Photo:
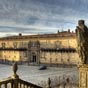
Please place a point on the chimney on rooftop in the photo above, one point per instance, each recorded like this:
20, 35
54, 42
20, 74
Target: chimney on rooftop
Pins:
20, 34
58, 31
68, 30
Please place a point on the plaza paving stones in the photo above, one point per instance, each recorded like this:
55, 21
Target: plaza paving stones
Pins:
32, 74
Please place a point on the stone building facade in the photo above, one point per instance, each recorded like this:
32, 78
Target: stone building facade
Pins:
59, 48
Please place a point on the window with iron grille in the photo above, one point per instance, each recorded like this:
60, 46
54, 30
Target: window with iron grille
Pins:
15, 45
3, 45
25, 54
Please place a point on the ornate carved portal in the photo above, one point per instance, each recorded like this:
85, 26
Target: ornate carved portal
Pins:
34, 52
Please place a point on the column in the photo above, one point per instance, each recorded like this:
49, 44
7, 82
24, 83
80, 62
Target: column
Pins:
83, 76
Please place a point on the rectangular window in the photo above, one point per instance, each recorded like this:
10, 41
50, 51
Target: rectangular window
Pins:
25, 54
15, 45
20, 57
25, 44
21, 44
3, 45
58, 44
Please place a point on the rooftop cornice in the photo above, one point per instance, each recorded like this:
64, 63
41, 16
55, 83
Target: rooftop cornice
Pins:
61, 34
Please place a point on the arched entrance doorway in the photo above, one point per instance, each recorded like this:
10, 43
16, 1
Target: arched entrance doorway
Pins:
33, 57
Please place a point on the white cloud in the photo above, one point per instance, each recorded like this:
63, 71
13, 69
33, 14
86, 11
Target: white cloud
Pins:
48, 16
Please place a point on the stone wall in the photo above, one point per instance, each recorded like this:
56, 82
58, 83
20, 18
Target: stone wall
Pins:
8, 49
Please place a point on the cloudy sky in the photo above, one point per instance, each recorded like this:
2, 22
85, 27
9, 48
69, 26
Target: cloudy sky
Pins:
40, 16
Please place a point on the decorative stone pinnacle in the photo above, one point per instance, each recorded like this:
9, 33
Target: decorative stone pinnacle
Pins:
49, 83
14, 68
